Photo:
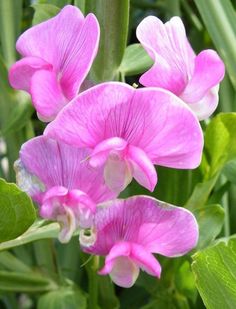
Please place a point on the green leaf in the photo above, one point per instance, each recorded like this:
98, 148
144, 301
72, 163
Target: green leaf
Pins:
184, 281
113, 19
201, 193
136, 60
44, 12
24, 282
229, 171
219, 18
220, 140
35, 232
62, 299
210, 220
19, 117
215, 274
17, 212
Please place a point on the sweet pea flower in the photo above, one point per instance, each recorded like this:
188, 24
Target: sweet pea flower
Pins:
195, 79
60, 180
129, 131
58, 54
129, 231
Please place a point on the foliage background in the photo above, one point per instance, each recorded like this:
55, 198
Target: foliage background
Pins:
36, 271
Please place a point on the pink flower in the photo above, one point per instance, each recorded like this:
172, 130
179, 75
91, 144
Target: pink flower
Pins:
129, 231
58, 55
193, 78
59, 178
129, 131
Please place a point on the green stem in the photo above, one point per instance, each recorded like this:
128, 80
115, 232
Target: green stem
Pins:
93, 282
227, 218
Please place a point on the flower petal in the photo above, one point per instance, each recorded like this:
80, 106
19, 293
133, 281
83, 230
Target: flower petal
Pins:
173, 231
58, 164
47, 95
68, 41
168, 46
122, 270
207, 105
152, 119
142, 168
101, 152
145, 260
156, 226
209, 71
21, 72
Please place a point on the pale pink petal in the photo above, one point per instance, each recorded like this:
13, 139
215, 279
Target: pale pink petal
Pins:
68, 41
117, 173
156, 226
47, 96
143, 169
209, 71
152, 119
122, 270
21, 72
168, 46
58, 164
207, 105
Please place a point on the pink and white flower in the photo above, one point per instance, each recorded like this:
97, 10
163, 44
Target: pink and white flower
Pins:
129, 231
129, 131
58, 177
195, 79
58, 54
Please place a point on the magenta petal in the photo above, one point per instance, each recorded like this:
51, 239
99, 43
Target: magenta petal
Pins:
47, 95
68, 41
168, 46
21, 72
102, 150
208, 72
142, 168
145, 260
152, 119
92, 114
156, 226
82, 53
58, 164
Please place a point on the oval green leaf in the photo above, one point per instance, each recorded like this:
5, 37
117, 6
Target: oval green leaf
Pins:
17, 212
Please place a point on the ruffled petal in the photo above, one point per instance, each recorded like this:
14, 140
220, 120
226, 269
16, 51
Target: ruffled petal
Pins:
172, 232
156, 226
209, 71
21, 72
68, 41
142, 168
58, 164
47, 95
89, 119
168, 46
152, 119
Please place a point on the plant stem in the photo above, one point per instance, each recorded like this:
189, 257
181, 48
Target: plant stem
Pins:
93, 282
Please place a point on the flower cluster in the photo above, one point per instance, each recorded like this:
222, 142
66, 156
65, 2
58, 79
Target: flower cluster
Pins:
100, 138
